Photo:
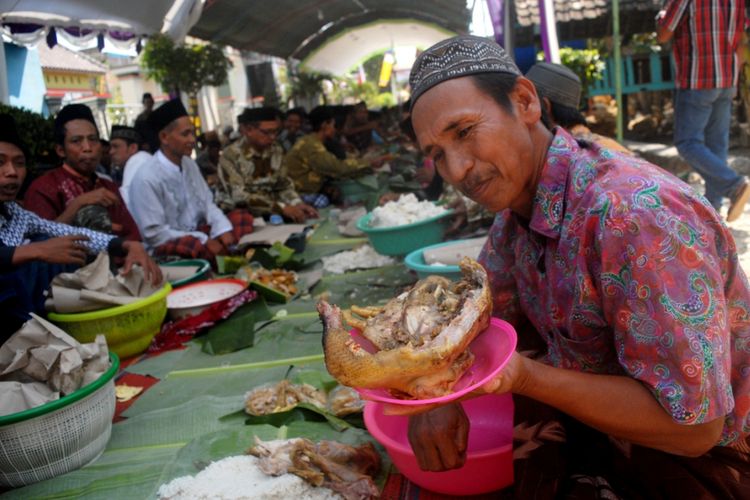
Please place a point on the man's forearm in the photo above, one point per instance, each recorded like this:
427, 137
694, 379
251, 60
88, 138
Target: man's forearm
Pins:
67, 216
616, 405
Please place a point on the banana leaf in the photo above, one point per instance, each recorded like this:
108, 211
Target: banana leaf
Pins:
279, 340
131, 473
215, 446
368, 287
222, 381
301, 412
176, 424
320, 379
238, 331
278, 255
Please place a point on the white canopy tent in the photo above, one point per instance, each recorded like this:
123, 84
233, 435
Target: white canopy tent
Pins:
136, 17
336, 55
28, 22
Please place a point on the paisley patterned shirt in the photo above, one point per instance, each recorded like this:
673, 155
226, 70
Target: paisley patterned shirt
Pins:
623, 269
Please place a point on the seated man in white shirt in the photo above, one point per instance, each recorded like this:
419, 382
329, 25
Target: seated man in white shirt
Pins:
170, 201
125, 152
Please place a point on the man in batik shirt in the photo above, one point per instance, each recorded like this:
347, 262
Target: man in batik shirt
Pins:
251, 174
625, 276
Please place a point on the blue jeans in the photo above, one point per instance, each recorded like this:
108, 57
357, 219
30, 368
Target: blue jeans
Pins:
701, 135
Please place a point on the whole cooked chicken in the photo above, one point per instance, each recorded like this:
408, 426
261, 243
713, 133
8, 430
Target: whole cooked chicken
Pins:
422, 336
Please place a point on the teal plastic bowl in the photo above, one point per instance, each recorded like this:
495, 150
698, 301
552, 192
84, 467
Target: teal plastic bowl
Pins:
415, 262
203, 272
400, 240
353, 191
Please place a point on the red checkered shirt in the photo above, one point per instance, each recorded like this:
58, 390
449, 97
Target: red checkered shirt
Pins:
706, 36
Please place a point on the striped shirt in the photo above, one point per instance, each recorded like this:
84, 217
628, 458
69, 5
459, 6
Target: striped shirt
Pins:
706, 36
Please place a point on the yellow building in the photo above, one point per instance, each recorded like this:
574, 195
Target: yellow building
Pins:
71, 76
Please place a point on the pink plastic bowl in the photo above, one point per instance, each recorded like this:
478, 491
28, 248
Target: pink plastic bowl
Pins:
489, 460
492, 350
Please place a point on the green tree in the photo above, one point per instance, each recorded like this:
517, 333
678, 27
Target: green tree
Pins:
185, 68
37, 132
306, 86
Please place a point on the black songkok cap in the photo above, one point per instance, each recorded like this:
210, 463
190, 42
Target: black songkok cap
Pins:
9, 133
457, 57
128, 134
557, 83
319, 115
255, 115
166, 114
74, 112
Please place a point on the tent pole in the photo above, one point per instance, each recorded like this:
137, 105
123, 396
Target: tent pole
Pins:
4, 94
548, 28
618, 66
508, 17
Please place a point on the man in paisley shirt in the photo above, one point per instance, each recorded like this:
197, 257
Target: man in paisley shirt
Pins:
34, 250
627, 279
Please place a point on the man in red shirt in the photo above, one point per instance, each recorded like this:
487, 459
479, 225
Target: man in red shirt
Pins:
73, 193
706, 36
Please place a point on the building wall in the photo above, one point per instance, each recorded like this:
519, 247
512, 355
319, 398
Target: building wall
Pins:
75, 82
26, 86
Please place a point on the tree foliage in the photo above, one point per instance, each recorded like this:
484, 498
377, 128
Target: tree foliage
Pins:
37, 132
184, 68
307, 84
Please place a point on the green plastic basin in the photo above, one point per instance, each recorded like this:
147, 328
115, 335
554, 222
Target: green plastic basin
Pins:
128, 329
400, 240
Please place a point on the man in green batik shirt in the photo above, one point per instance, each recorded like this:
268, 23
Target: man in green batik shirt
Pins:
251, 174
311, 165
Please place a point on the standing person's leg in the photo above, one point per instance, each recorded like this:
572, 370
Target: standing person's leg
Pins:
693, 112
717, 128
717, 140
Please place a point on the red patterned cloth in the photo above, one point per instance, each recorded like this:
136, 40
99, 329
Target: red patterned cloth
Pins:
174, 334
50, 194
191, 247
133, 380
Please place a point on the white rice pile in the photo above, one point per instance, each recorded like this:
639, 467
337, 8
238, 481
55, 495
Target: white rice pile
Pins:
406, 210
363, 257
238, 478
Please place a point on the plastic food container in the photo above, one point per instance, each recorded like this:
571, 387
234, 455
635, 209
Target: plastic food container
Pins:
128, 329
175, 271
59, 436
190, 300
416, 260
400, 240
489, 459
